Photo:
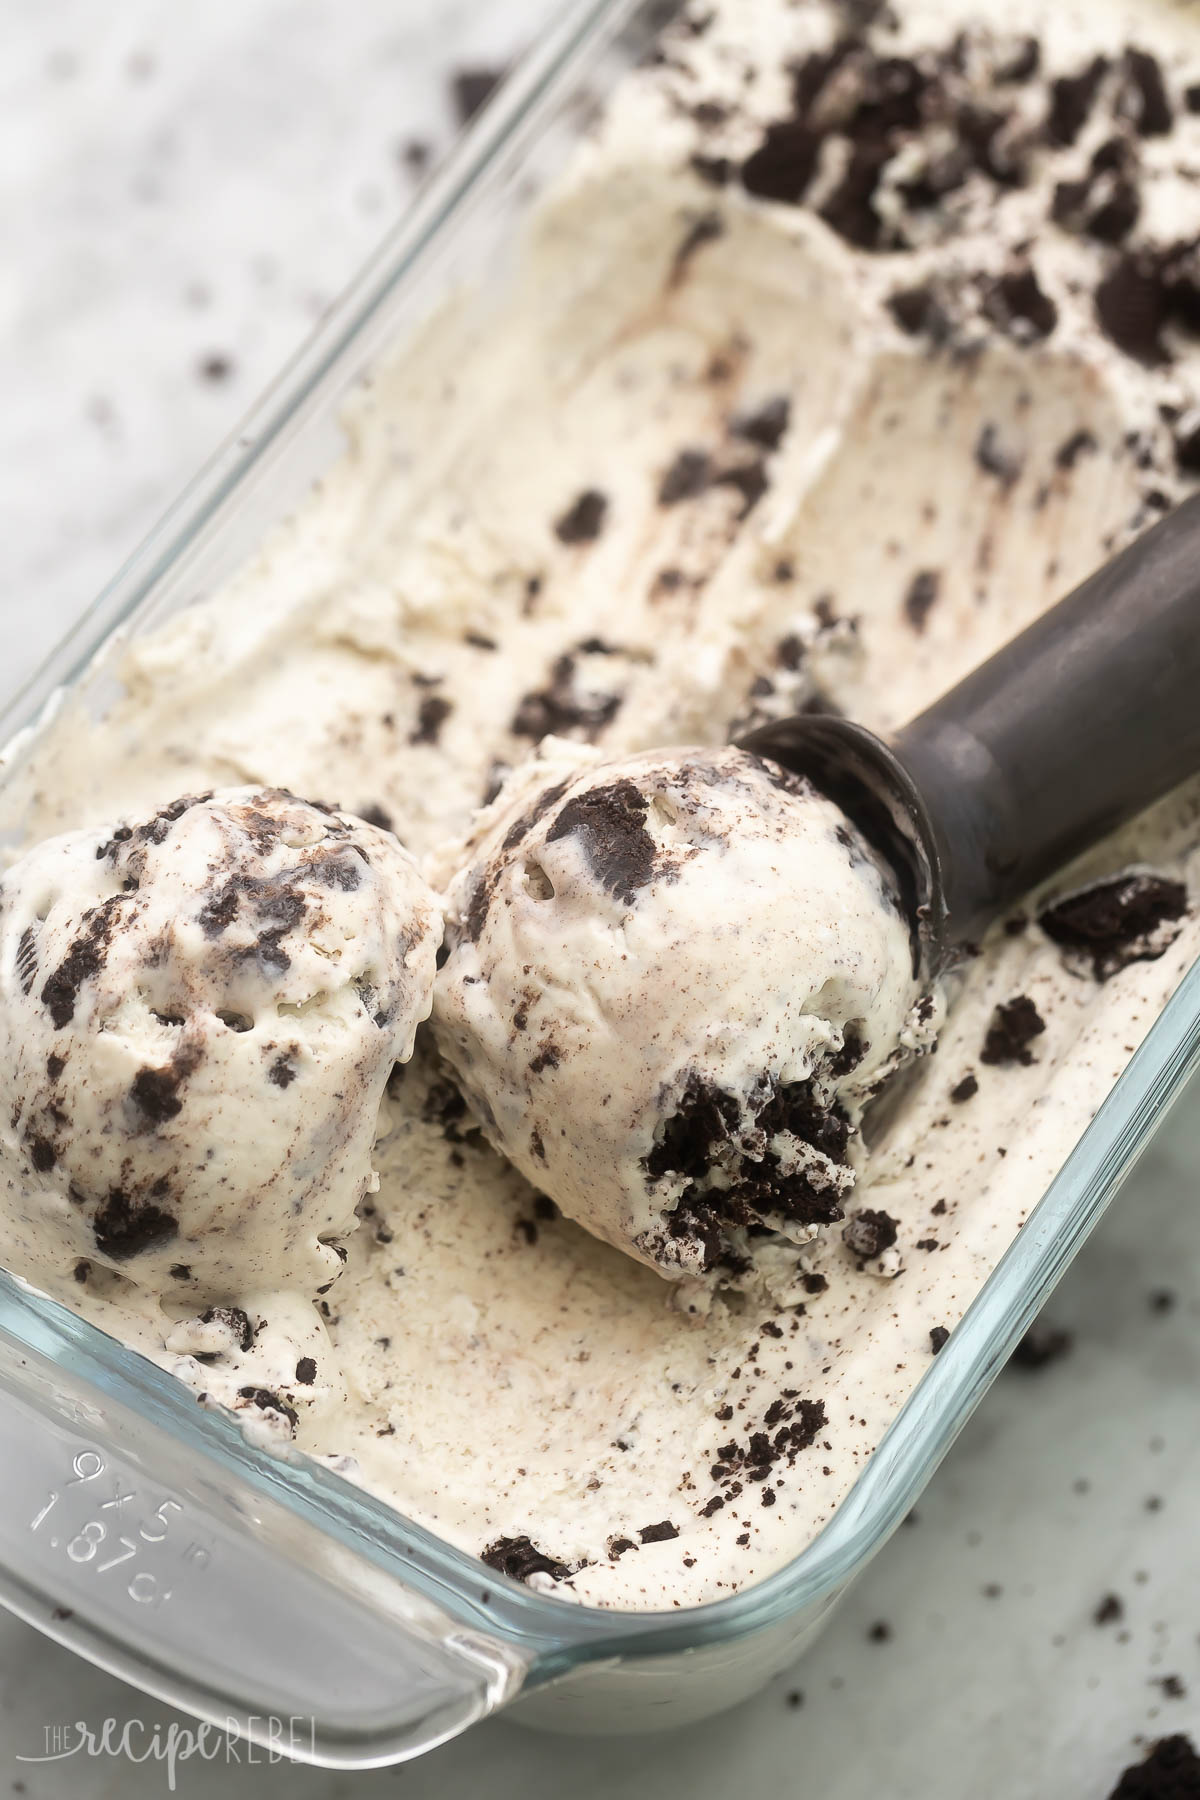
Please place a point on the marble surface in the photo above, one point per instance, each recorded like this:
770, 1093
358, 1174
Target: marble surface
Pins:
183, 189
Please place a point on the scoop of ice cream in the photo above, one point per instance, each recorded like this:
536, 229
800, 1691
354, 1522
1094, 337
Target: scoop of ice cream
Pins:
673, 981
198, 1013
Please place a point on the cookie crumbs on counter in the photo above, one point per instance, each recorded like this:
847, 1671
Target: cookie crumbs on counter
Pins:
1170, 1770
868, 1233
1041, 1345
471, 87
215, 368
415, 154
1132, 918
432, 714
267, 1401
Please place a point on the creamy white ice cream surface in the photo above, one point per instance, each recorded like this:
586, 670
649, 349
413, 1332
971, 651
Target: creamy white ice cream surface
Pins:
849, 340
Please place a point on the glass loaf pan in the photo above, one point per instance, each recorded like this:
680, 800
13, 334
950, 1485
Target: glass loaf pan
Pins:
252, 1588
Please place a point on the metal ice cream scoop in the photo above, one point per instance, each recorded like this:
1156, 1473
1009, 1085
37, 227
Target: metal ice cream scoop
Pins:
1068, 731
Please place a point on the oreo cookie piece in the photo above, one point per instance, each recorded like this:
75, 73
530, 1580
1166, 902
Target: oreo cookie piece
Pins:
1133, 918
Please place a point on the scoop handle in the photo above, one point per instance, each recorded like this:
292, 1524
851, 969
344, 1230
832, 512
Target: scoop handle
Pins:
1069, 730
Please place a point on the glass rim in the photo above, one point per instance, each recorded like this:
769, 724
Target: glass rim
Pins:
561, 1631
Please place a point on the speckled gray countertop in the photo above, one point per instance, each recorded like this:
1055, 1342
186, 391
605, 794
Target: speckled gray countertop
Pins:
183, 188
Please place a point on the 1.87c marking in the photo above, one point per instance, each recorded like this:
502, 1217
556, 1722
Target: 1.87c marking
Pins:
94, 1543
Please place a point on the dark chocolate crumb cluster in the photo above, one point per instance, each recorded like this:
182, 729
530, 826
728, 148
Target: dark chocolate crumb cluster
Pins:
85, 958
790, 1425
1132, 918
697, 471
661, 1533
1015, 1024
124, 1226
722, 1145
432, 712
577, 699
519, 1558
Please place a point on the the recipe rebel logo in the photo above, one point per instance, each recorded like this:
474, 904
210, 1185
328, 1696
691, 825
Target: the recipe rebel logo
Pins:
258, 1739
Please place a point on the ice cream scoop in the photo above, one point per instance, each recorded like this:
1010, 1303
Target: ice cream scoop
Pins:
672, 981
1074, 726
198, 1013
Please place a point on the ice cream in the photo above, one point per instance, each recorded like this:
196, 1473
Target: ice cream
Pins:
198, 1013
673, 981
848, 340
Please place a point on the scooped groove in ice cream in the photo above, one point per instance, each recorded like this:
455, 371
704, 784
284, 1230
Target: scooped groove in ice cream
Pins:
673, 981
198, 1013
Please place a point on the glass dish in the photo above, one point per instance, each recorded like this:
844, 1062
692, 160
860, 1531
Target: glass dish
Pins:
267, 1594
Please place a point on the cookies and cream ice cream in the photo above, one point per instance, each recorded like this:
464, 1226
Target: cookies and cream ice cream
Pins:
850, 338
672, 982
198, 1013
